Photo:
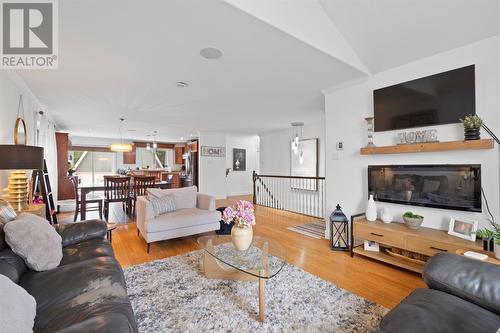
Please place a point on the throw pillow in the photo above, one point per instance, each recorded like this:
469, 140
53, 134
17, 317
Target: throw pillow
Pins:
7, 213
35, 240
17, 308
162, 204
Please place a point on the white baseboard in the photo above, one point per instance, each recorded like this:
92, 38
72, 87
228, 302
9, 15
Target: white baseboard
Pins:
233, 194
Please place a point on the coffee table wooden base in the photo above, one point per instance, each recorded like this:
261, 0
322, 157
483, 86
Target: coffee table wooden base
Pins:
214, 270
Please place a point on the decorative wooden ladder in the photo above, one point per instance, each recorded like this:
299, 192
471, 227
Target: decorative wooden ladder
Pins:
41, 185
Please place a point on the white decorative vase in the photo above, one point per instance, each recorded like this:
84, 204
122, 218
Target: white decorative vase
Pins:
497, 251
241, 237
371, 209
386, 215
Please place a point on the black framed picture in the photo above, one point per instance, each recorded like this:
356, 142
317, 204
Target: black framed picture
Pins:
239, 159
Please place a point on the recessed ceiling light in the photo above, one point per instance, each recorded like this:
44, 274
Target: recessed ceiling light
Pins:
211, 53
181, 84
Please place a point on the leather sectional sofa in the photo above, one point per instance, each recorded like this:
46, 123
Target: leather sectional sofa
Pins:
85, 293
463, 296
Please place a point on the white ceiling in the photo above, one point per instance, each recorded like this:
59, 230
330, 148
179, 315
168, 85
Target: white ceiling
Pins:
390, 33
122, 58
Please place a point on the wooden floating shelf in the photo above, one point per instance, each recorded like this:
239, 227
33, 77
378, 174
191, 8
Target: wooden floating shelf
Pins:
429, 147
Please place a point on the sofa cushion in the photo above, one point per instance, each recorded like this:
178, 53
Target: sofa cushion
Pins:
429, 310
12, 265
470, 279
162, 205
184, 197
17, 308
2, 237
75, 283
35, 240
92, 248
87, 290
7, 213
182, 218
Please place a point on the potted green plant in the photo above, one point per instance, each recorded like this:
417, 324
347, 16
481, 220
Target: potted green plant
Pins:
494, 234
472, 127
412, 220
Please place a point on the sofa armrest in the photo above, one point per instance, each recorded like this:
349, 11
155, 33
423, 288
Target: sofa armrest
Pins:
74, 233
144, 212
205, 201
472, 280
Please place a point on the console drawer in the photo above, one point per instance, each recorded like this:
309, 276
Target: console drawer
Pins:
379, 235
429, 247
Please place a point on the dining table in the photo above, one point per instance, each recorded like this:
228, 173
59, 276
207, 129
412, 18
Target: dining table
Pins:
86, 189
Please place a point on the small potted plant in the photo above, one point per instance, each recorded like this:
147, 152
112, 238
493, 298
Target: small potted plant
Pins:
489, 234
242, 214
412, 220
472, 126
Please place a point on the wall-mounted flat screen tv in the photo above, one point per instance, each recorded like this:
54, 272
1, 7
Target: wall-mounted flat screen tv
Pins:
438, 99
448, 186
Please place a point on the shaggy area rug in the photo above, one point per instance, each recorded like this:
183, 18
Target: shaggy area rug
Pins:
173, 295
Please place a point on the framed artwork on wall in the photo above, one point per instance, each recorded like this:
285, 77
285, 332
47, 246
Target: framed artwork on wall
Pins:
239, 159
305, 164
463, 228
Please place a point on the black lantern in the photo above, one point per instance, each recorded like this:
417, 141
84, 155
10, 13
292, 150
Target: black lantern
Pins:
339, 230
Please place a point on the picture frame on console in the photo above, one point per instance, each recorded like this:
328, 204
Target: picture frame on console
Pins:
463, 228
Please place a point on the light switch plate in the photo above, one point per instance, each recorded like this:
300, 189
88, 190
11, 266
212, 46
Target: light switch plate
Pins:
340, 145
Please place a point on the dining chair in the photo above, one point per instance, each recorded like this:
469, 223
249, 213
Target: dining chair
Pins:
117, 189
90, 201
141, 184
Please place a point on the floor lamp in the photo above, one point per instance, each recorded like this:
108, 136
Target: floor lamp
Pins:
19, 159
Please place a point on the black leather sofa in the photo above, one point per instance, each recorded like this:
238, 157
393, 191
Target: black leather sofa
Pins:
86, 293
463, 296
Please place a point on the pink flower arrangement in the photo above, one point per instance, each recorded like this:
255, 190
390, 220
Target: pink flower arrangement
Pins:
241, 213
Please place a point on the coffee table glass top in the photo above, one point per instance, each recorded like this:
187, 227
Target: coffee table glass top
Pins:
264, 258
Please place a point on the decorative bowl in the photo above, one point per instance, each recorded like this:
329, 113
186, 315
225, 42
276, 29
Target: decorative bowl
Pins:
413, 222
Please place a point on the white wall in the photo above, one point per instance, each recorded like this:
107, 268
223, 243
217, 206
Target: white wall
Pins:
240, 182
212, 170
347, 107
275, 149
10, 89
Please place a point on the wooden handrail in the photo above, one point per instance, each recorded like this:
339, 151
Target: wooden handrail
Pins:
292, 177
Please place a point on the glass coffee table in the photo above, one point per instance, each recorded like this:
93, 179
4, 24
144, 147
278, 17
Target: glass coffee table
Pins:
264, 259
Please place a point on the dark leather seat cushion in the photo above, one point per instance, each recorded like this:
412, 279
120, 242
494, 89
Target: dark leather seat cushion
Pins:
428, 310
11, 265
93, 248
80, 291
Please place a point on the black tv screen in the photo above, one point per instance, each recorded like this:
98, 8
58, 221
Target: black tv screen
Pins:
448, 186
438, 99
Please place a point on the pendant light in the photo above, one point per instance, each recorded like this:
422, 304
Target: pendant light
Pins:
296, 139
121, 147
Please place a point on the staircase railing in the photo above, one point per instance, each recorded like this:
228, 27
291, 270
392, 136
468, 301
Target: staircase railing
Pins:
303, 195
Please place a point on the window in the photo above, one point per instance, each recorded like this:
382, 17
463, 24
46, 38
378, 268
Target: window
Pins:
165, 157
91, 166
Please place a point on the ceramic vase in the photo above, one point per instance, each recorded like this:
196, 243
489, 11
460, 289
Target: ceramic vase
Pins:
371, 209
497, 251
386, 215
241, 237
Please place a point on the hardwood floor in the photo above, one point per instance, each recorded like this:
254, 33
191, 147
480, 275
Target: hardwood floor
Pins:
381, 283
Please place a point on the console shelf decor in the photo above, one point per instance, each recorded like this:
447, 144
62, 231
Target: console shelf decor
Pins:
424, 241
429, 147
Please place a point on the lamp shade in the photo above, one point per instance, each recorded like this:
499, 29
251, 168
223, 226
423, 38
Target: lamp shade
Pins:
21, 157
